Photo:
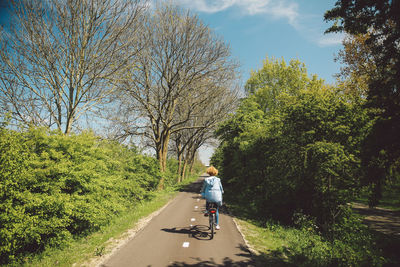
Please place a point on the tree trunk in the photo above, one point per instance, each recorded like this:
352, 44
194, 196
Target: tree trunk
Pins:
191, 167
191, 161
162, 150
183, 174
68, 126
159, 158
165, 152
179, 167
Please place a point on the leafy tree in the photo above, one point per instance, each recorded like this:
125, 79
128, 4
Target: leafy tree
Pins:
358, 66
302, 155
380, 22
276, 77
322, 132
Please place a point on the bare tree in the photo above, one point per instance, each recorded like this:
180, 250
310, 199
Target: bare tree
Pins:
58, 58
182, 68
189, 143
186, 142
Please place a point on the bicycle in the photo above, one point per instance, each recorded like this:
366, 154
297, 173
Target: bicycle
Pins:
212, 210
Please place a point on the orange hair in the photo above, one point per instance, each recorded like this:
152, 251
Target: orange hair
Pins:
212, 171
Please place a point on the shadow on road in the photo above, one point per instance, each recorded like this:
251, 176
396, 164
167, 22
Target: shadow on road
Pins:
208, 263
201, 262
200, 232
385, 226
194, 187
378, 219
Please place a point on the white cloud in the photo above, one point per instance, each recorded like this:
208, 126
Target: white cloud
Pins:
209, 6
276, 9
331, 39
308, 25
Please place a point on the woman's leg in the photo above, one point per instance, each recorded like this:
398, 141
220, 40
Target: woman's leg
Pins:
217, 216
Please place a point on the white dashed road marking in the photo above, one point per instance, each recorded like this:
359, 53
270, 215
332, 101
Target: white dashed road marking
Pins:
185, 244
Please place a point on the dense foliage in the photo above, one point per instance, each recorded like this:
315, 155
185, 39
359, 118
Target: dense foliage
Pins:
294, 148
301, 153
280, 245
379, 22
54, 187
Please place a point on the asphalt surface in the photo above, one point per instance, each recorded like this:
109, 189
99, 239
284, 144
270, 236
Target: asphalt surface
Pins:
379, 219
179, 236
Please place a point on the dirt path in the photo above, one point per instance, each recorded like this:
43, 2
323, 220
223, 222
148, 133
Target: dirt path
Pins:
380, 219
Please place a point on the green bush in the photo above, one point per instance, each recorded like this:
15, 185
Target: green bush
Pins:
54, 187
170, 174
352, 242
14, 222
304, 246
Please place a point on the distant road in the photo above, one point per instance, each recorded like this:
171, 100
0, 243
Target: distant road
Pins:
380, 219
179, 236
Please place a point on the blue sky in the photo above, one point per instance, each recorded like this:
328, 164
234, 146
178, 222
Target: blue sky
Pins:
256, 29
3, 10
290, 29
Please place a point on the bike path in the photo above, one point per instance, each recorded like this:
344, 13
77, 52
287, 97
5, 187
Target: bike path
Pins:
179, 236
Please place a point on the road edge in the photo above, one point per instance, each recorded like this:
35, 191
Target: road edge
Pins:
113, 245
251, 249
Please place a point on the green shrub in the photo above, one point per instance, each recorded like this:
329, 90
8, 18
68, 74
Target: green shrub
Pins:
171, 176
54, 187
304, 246
352, 242
14, 222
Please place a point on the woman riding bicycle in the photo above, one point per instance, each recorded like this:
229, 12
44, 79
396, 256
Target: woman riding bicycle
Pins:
212, 191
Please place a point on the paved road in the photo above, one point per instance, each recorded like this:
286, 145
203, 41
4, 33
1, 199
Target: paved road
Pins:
179, 236
380, 219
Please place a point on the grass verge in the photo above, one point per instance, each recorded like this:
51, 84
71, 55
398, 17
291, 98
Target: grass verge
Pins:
262, 243
80, 252
278, 245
